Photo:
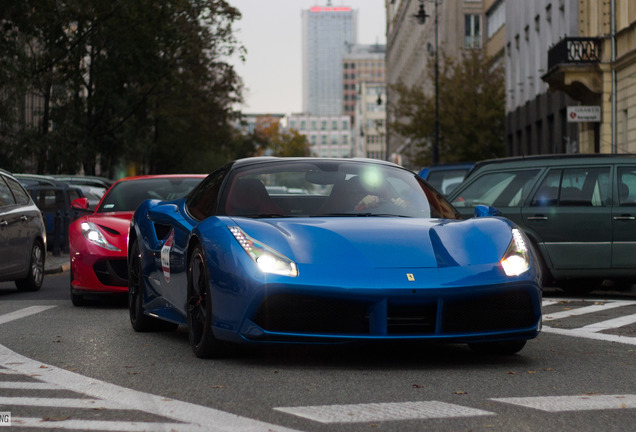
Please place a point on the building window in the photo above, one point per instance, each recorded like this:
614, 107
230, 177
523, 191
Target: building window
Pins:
303, 125
334, 125
313, 125
323, 125
472, 31
495, 18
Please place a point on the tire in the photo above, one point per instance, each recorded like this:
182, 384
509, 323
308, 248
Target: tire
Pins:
35, 277
76, 299
138, 319
199, 308
498, 348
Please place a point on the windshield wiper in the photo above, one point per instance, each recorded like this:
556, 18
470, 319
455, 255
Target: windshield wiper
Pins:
366, 214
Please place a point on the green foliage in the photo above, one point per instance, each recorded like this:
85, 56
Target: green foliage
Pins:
471, 110
135, 82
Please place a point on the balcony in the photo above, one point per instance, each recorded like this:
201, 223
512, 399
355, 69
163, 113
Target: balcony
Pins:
573, 67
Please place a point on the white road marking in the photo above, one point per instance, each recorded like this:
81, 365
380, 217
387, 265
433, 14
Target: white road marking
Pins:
573, 403
27, 385
590, 335
373, 412
601, 306
611, 323
592, 331
61, 402
207, 419
31, 310
101, 425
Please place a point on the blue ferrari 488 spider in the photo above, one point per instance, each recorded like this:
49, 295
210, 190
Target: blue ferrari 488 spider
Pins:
313, 250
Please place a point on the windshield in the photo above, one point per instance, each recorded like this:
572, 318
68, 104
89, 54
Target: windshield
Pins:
128, 194
331, 188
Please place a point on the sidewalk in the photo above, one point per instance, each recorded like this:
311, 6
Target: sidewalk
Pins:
57, 264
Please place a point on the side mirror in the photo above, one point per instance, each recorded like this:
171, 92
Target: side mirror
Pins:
484, 211
80, 203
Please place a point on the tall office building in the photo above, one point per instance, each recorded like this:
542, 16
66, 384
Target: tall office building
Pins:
327, 33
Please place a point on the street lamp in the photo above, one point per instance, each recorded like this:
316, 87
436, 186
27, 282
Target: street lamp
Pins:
421, 18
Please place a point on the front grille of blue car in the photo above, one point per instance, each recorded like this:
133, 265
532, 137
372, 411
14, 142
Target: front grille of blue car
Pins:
292, 313
113, 272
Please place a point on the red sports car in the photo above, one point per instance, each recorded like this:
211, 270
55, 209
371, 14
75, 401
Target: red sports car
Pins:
98, 241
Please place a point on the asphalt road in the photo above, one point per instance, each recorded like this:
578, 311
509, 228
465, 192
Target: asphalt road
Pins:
69, 368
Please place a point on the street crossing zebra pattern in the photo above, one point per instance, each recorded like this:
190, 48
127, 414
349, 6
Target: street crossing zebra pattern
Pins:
37, 395
588, 318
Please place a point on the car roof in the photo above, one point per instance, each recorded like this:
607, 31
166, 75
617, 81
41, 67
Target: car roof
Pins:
551, 160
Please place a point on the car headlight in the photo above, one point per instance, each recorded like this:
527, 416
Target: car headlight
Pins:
266, 258
516, 260
92, 233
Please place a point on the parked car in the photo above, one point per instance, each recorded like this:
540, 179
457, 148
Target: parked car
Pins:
53, 197
446, 177
368, 252
22, 236
94, 187
98, 239
578, 210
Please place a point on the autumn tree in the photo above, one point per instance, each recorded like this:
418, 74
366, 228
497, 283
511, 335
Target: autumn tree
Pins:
471, 110
272, 140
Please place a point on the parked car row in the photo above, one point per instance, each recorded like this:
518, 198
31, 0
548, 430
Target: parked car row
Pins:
579, 211
22, 236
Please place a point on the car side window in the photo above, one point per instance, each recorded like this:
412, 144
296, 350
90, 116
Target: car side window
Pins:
627, 186
500, 189
6, 197
21, 196
574, 187
203, 200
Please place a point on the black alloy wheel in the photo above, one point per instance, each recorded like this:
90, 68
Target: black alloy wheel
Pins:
138, 319
199, 308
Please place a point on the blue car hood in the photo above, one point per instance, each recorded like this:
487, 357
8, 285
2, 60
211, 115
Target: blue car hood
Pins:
383, 242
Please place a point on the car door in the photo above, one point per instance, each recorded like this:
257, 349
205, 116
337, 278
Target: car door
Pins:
624, 219
6, 202
15, 222
570, 215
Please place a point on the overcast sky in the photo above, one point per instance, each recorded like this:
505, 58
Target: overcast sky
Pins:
271, 31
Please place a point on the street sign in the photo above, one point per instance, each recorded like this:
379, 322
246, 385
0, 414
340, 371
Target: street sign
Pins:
581, 113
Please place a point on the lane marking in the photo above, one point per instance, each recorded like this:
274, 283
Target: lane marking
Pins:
611, 323
31, 310
21, 385
209, 419
573, 403
103, 425
374, 412
590, 335
61, 403
610, 304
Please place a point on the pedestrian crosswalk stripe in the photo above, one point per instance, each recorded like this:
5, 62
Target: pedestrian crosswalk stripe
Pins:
590, 335
61, 402
103, 425
573, 403
372, 412
31, 310
22, 385
601, 306
611, 323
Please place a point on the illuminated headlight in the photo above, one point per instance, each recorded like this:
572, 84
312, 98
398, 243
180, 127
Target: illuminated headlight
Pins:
516, 260
266, 258
95, 236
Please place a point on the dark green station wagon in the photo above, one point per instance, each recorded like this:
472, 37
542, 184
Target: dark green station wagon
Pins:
578, 210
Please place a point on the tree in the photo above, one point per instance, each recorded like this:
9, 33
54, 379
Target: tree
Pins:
471, 110
280, 143
136, 81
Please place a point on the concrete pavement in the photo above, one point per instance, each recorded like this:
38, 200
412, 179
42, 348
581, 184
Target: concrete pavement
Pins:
57, 264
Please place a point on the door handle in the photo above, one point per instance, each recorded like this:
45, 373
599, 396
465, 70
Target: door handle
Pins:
538, 217
624, 217
23, 218
3, 223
